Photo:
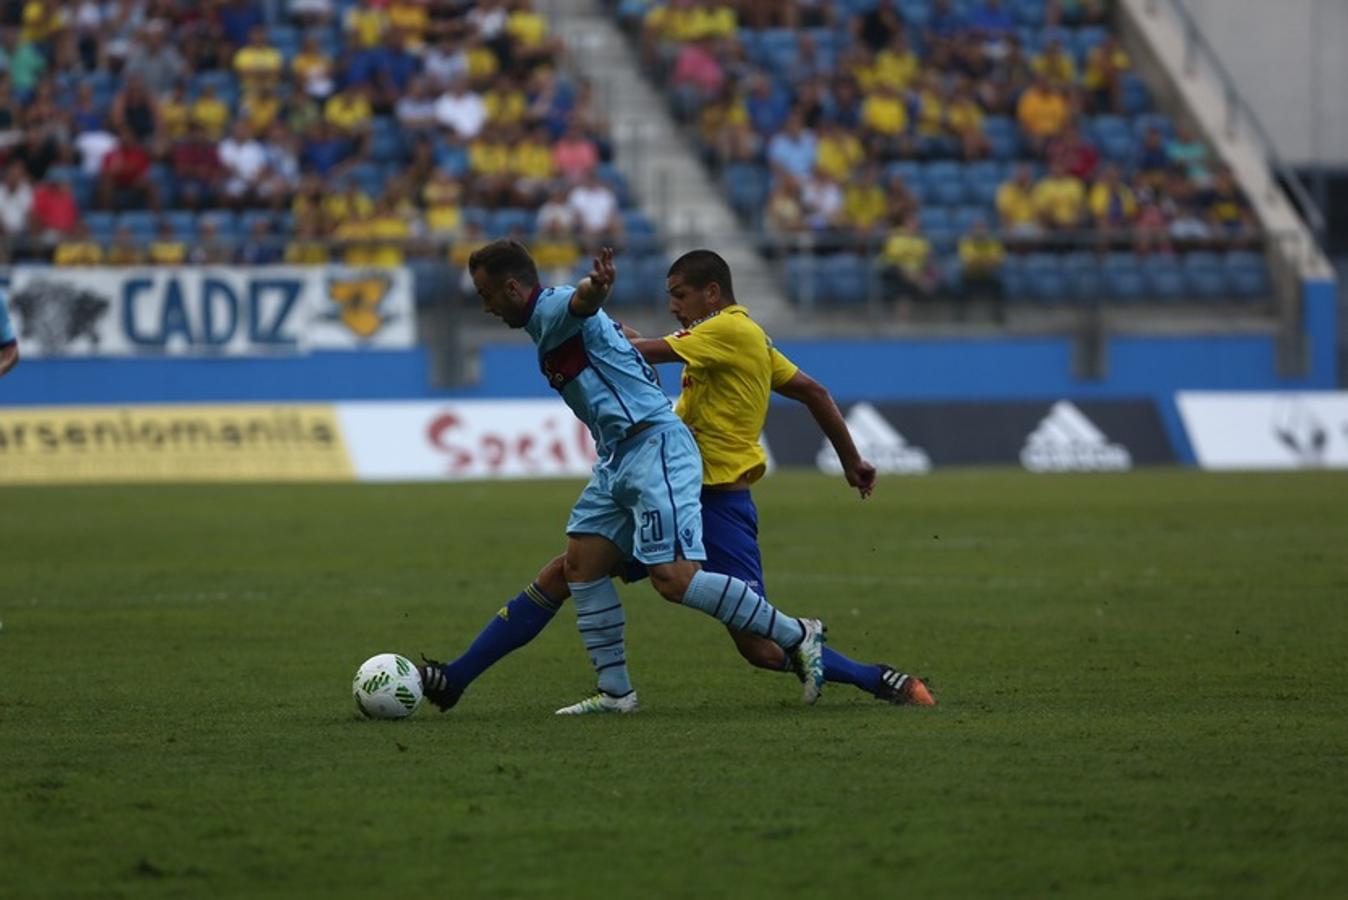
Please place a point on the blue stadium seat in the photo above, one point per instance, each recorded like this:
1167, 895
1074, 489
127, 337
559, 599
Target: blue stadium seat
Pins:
915, 12
183, 223
1203, 275
1247, 274
746, 186
1163, 278
369, 176
1144, 123
909, 171
1001, 132
386, 141
249, 218
226, 223
1014, 279
453, 159
981, 181
141, 223
505, 221
1088, 38
1136, 97
845, 279
945, 182
1123, 279
1029, 12
938, 217
1045, 280
640, 233
944, 239
614, 178
100, 225
803, 282
965, 217
1085, 283
627, 291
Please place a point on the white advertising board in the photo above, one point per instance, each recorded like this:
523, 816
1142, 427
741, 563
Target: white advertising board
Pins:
1267, 430
210, 311
454, 441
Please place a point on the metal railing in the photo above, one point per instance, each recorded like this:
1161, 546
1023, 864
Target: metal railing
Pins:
1238, 113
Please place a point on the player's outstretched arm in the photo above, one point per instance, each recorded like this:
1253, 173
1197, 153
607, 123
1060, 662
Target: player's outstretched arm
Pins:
593, 288
802, 388
9, 358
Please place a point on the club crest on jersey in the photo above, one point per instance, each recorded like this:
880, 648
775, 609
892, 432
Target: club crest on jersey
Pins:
358, 300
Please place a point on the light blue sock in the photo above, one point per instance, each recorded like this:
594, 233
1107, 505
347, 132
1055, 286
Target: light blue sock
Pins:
741, 607
599, 616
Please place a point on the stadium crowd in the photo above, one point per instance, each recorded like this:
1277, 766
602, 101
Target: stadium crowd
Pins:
947, 138
172, 131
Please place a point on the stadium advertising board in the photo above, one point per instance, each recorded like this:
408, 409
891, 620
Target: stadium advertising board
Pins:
208, 311
913, 438
1267, 430
171, 443
465, 440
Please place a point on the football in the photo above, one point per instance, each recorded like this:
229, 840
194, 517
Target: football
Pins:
387, 686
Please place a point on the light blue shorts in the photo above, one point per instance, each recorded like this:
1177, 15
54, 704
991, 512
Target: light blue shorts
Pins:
647, 499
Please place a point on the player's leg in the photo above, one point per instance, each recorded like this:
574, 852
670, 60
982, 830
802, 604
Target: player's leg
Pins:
665, 478
730, 534
517, 623
599, 617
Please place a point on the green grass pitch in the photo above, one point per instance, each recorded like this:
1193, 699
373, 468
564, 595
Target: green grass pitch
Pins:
1141, 681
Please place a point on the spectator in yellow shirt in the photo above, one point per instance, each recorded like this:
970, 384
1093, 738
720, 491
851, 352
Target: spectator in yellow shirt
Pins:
964, 122
906, 268
257, 63
78, 250
838, 151
981, 257
366, 23
528, 33
259, 109
124, 250
556, 253
1112, 203
211, 113
534, 168
312, 69
885, 119
346, 205
307, 247
349, 110
1103, 79
442, 196
167, 249
505, 102
352, 238
175, 113
931, 107
390, 233
492, 183
865, 206
1060, 199
1016, 207
413, 19
1055, 65
897, 64
1043, 113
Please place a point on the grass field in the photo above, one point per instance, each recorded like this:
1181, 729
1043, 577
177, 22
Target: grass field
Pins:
1141, 681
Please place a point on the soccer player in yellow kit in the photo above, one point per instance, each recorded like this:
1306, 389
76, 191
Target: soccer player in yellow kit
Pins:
730, 371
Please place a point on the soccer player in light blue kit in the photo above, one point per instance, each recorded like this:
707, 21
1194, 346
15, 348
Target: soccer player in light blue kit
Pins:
9, 343
643, 501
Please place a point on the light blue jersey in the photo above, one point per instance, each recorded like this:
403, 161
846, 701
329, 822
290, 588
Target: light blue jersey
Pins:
6, 329
598, 372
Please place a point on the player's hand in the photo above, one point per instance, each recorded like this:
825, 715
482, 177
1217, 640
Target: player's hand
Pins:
861, 475
603, 272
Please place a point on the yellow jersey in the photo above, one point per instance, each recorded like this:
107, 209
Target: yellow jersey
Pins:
730, 370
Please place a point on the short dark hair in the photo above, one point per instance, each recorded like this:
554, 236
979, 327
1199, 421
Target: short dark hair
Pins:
699, 268
505, 258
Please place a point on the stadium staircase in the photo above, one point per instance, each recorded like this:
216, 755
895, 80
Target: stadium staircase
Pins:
659, 162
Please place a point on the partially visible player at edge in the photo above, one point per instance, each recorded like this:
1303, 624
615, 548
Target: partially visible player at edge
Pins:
9, 343
730, 365
643, 499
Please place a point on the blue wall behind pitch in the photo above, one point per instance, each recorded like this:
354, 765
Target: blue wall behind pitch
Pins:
1037, 368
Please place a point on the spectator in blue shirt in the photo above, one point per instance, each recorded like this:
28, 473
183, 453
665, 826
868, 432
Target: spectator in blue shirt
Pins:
767, 106
793, 149
992, 18
324, 149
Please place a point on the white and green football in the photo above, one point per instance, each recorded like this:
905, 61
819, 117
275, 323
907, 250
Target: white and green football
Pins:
387, 686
